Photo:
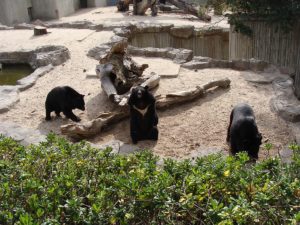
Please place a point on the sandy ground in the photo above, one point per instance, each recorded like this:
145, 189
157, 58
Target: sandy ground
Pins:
184, 128
110, 16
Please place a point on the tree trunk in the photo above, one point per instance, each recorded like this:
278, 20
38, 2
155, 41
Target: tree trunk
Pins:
39, 30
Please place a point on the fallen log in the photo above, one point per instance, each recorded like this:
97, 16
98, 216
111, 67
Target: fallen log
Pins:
166, 101
95, 126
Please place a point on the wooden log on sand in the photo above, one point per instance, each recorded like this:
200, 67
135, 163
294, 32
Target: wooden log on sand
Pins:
105, 119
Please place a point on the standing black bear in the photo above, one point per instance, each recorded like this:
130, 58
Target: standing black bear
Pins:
143, 116
64, 99
242, 132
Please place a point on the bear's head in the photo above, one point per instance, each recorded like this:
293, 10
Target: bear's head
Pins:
78, 102
140, 97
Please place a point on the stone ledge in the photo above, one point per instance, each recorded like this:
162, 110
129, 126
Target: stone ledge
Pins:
178, 56
42, 56
285, 103
41, 59
25, 136
9, 96
30, 80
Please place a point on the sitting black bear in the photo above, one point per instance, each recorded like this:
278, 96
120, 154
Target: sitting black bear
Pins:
64, 99
242, 132
143, 116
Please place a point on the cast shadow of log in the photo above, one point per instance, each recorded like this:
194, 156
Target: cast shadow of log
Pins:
98, 103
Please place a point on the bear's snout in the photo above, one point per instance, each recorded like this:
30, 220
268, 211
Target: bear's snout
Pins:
139, 94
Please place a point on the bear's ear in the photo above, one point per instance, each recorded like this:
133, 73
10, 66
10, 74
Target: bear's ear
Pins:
132, 89
82, 96
147, 87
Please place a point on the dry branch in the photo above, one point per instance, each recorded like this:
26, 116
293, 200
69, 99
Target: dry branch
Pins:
108, 118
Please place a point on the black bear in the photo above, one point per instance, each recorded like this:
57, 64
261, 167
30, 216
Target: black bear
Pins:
64, 99
143, 116
242, 131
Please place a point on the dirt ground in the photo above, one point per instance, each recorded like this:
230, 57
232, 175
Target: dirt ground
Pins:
183, 128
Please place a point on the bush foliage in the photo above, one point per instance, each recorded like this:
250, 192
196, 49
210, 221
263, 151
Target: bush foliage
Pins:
57, 182
284, 13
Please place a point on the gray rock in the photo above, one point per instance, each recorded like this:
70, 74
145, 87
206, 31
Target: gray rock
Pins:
9, 96
126, 149
24, 26
119, 147
192, 65
25, 136
42, 59
182, 56
114, 144
4, 27
30, 80
285, 102
240, 64
257, 65
40, 23
55, 55
99, 51
185, 31
296, 132
286, 155
202, 59
151, 28
177, 55
148, 52
262, 78
122, 32
218, 63
287, 70
211, 31
41, 56
74, 24
97, 27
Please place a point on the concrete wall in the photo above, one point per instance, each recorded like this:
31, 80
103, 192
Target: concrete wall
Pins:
65, 7
45, 9
97, 3
14, 11
76, 4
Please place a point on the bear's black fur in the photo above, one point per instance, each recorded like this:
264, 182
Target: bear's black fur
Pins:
143, 116
242, 132
64, 99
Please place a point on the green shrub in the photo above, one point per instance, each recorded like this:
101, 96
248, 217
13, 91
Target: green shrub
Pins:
56, 182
